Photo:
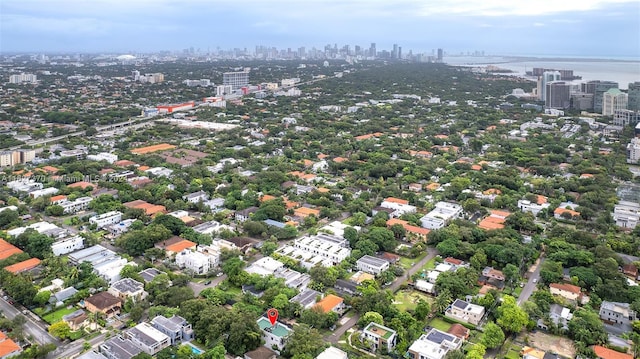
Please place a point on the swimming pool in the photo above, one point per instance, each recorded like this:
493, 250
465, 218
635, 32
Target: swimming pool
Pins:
194, 349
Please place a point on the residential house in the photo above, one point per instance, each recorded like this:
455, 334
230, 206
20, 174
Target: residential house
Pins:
175, 245
127, 288
176, 328
274, 336
24, 266
606, 353
630, 271
465, 312
306, 298
532, 353
459, 331
103, 302
92, 354
399, 206
119, 347
76, 320
433, 345
425, 286
568, 291
245, 214
626, 214
8, 348
106, 219
531, 207
566, 210
372, 265
331, 303
558, 315
67, 245
441, 215
379, 337
149, 273
261, 353
147, 338
489, 272
200, 196
332, 353
617, 313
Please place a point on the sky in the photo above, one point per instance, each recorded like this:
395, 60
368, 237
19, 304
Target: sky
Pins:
590, 28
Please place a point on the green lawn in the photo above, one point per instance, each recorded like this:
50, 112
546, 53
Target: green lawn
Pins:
76, 335
439, 324
67, 221
407, 263
431, 264
408, 300
56, 316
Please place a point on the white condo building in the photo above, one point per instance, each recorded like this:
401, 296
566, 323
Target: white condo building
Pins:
633, 150
441, 215
236, 79
613, 100
106, 219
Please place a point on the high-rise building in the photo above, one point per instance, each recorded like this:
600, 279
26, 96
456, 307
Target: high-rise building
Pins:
626, 117
440, 55
236, 80
547, 76
394, 54
557, 95
399, 52
633, 150
136, 75
613, 100
634, 96
582, 101
18, 79
600, 88
372, 50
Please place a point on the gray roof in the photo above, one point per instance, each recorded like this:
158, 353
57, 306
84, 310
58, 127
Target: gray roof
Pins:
306, 297
460, 304
120, 348
65, 294
92, 355
127, 285
174, 324
373, 261
149, 273
437, 336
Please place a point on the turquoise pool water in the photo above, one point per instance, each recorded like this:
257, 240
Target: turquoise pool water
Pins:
194, 349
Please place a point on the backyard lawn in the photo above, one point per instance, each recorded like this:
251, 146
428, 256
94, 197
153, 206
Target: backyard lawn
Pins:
56, 316
408, 299
439, 324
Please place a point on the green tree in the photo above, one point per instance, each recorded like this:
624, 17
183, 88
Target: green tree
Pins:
586, 327
304, 341
369, 317
422, 309
477, 351
492, 336
511, 317
60, 329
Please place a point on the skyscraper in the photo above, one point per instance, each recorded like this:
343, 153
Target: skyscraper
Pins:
399, 52
440, 55
634, 96
372, 50
394, 54
557, 95
599, 88
547, 77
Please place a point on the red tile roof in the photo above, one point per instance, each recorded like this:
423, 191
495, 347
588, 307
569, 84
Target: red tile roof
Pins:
605, 353
23, 266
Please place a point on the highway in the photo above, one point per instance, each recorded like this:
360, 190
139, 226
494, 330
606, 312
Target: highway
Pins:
335, 336
37, 330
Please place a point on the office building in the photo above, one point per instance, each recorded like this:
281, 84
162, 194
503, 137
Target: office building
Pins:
547, 77
613, 100
634, 96
599, 89
557, 95
372, 50
582, 101
23, 78
236, 80
440, 55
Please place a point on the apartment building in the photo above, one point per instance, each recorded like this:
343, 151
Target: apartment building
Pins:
149, 339
106, 219
441, 215
372, 265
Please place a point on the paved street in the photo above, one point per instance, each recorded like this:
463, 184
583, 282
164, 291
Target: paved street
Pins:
74, 348
199, 287
35, 329
335, 336
530, 287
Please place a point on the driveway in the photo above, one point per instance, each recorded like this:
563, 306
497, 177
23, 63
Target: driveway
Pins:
199, 287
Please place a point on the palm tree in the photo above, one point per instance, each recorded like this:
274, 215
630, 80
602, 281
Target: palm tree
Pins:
443, 300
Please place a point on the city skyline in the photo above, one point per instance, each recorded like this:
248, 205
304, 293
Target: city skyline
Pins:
569, 28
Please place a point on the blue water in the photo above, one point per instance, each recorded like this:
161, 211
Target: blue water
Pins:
195, 350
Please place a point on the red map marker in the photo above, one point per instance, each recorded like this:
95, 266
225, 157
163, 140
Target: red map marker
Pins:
272, 314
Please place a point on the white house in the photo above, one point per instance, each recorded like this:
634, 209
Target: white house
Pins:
441, 215
465, 312
424, 286
67, 245
372, 265
399, 206
196, 262
148, 338
379, 336
433, 345
80, 204
106, 219
274, 336
534, 208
